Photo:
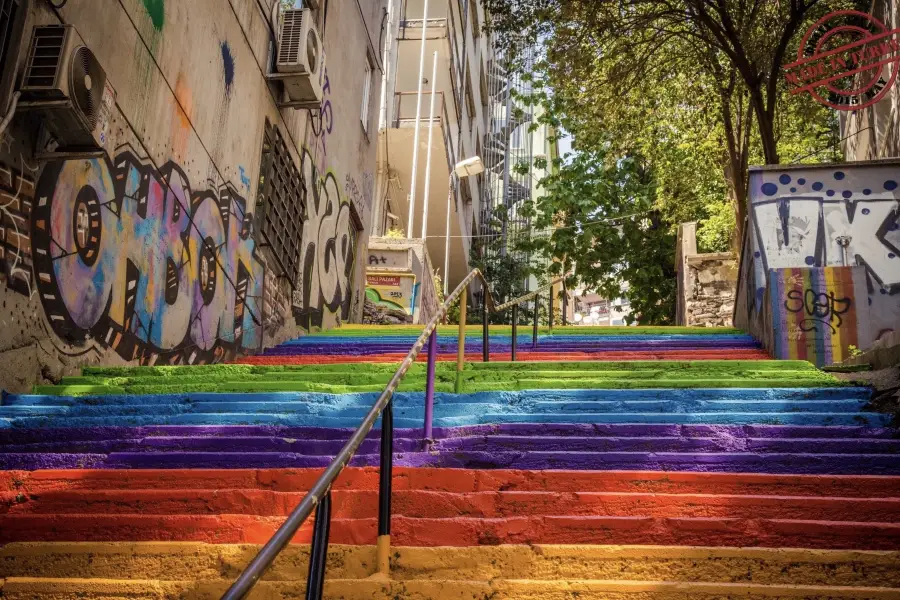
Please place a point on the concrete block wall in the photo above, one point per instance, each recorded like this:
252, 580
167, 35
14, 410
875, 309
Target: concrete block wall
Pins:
103, 260
707, 283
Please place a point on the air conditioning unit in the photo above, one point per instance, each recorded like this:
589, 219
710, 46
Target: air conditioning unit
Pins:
301, 59
65, 83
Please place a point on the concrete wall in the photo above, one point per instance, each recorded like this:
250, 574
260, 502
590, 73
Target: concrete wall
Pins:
706, 283
823, 216
105, 259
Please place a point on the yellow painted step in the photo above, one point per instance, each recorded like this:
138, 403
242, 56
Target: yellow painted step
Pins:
350, 589
188, 561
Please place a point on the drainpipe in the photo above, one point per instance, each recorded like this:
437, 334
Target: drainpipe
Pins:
415, 164
430, 140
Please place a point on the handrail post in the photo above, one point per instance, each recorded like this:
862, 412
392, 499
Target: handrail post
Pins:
515, 329
429, 384
461, 342
386, 468
550, 311
537, 306
485, 331
318, 552
565, 304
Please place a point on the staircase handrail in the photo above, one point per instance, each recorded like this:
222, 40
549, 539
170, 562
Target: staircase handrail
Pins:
319, 493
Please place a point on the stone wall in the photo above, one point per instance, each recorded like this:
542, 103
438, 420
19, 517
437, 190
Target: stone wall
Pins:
707, 283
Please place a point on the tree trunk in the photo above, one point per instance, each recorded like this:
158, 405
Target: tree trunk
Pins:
766, 125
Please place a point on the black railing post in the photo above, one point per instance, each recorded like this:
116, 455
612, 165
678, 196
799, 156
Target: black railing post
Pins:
550, 311
485, 340
318, 552
386, 466
565, 305
537, 311
515, 330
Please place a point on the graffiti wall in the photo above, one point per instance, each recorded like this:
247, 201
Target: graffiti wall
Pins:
816, 315
391, 290
328, 258
140, 261
826, 216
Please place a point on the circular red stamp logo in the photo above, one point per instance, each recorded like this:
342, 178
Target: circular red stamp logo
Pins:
847, 60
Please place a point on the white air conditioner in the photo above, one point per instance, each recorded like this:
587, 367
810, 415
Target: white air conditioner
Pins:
301, 59
64, 82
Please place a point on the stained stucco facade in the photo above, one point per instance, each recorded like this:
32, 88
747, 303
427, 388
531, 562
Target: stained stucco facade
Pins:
151, 250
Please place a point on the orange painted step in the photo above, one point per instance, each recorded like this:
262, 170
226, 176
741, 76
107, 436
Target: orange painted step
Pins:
426, 504
405, 531
456, 480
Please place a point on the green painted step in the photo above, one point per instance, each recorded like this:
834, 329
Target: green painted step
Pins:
477, 377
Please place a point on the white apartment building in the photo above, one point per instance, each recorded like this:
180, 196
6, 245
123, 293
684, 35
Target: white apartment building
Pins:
454, 30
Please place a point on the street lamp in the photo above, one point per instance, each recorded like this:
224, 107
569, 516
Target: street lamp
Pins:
465, 168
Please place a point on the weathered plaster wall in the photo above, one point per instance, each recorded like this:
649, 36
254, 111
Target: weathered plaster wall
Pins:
149, 253
706, 283
818, 216
404, 258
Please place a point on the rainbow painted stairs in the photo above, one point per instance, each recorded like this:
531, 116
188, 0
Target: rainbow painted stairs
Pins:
630, 464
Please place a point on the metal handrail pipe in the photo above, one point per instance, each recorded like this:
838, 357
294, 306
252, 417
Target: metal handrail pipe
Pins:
270, 551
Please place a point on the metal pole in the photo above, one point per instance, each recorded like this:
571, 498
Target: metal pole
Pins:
447, 240
537, 306
415, 165
318, 555
565, 305
485, 333
461, 342
428, 154
550, 311
383, 547
515, 329
429, 385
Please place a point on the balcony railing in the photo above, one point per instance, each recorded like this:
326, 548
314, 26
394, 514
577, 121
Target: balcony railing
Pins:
405, 116
411, 29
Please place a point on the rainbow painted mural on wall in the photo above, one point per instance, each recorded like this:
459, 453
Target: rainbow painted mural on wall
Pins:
816, 315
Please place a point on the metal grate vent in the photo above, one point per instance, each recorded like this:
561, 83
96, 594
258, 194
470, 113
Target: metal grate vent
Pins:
291, 37
44, 57
281, 203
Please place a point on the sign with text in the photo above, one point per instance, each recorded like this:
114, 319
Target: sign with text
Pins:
847, 60
394, 291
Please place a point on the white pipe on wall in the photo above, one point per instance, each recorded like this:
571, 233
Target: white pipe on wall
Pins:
428, 155
415, 165
447, 242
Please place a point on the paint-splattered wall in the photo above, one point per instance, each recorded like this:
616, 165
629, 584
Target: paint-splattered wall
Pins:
824, 216
151, 252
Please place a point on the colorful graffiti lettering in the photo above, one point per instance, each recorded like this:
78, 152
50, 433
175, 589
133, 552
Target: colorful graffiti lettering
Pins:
131, 258
814, 316
821, 217
327, 261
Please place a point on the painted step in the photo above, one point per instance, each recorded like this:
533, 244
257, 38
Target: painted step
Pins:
523, 354
464, 531
186, 561
427, 504
499, 589
457, 481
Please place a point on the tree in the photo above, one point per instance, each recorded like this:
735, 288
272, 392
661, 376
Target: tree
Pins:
727, 54
597, 212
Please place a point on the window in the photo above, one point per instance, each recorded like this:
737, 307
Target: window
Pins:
280, 203
366, 95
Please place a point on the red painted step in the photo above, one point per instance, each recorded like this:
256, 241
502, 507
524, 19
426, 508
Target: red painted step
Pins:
457, 507
522, 355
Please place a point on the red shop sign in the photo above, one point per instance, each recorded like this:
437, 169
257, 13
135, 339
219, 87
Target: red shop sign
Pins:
847, 60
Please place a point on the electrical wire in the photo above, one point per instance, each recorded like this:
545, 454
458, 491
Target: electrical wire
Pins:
544, 232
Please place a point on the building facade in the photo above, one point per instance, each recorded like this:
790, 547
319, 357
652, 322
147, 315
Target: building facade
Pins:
209, 217
454, 33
